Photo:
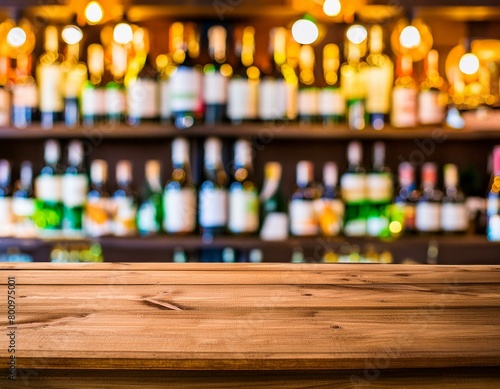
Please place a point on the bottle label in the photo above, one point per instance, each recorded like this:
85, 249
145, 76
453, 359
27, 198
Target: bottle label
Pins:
23, 207
353, 187
428, 217
238, 98
5, 216
379, 187
185, 90
4, 107
303, 218
180, 210
74, 190
355, 227
493, 230
50, 82
376, 224
115, 101
331, 102
165, 111
243, 211
330, 215
97, 220
143, 99
213, 208
25, 96
356, 115
124, 214
93, 102
147, 218
404, 107
275, 226
454, 217
379, 86
308, 101
272, 99
215, 88
48, 188
430, 108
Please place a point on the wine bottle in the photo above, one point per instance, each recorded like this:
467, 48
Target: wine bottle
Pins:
74, 78
428, 208
5, 97
243, 195
493, 200
5, 198
150, 213
308, 92
215, 77
272, 102
23, 203
303, 217
353, 191
124, 204
48, 191
405, 201
179, 197
75, 187
380, 78
243, 86
331, 102
431, 100
404, 95
143, 98
274, 218
49, 79
97, 217
213, 212
24, 94
379, 190
454, 214
93, 102
329, 207
115, 101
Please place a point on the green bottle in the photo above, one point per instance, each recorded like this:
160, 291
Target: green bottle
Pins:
150, 213
274, 218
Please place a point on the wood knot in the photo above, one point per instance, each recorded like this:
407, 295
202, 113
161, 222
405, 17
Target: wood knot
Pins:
335, 327
307, 294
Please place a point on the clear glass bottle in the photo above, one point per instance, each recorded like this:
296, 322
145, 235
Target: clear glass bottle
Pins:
150, 212
97, 217
429, 205
308, 92
24, 94
454, 213
303, 217
431, 100
331, 103
274, 219
23, 203
329, 207
115, 101
124, 201
75, 76
93, 92
404, 95
405, 201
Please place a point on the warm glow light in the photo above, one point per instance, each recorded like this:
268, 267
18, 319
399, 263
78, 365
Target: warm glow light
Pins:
332, 7
71, 35
410, 37
93, 12
123, 33
304, 31
16, 37
469, 64
356, 34
395, 227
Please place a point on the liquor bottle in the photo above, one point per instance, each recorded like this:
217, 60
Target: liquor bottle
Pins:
431, 100
428, 208
5, 198
143, 98
493, 200
48, 191
379, 191
124, 205
24, 94
405, 201
404, 95
272, 102
50, 79
353, 191
243, 195
5, 98
274, 218
213, 211
75, 76
215, 79
454, 214
303, 217
75, 187
185, 89
380, 78
93, 107
329, 207
179, 197
23, 203
97, 218
115, 100
242, 88
308, 92
331, 103
150, 213
353, 86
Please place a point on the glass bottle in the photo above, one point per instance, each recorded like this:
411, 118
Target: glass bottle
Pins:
330, 100
431, 100
24, 94
303, 217
405, 201
115, 100
454, 214
97, 217
428, 208
308, 93
404, 95
93, 101
5, 97
274, 225
124, 202
23, 203
329, 207
74, 78
150, 213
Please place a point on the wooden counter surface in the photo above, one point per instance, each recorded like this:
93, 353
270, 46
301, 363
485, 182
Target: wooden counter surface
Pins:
313, 319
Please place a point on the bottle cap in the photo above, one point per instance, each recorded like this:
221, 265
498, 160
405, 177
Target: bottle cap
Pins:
52, 152
4, 172
213, 150
305, 172
330, 174
99, 171
496, 160
429, 173
180, 150
450, 175
123, 171
354, 153
75, 153
242, 152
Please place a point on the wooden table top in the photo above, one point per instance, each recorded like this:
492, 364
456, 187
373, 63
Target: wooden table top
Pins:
251, 316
